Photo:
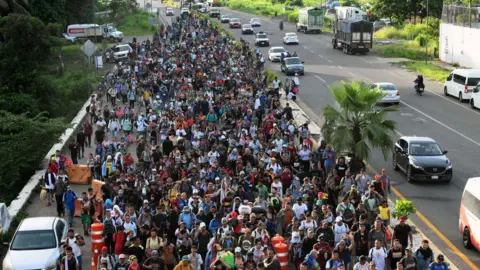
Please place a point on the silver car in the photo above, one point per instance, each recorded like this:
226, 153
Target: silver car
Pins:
390, 91
36, 244
275, 54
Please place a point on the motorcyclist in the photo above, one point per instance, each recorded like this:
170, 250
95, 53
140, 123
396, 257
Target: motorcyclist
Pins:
419, 82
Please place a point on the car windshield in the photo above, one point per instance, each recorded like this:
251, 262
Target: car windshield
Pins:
387, 87
278, 50
30, 240
262, 36
292, 61
425, 149
235, 20
247, 26
120, 48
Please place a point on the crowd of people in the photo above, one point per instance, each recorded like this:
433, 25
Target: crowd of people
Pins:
202, 168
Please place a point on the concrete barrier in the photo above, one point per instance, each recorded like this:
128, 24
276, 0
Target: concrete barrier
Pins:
20, 202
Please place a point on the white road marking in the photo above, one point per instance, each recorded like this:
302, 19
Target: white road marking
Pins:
442, 124
453, 102
406, 114
329, 61
352, 74
320, 78
321, 56
306, 48
340, 67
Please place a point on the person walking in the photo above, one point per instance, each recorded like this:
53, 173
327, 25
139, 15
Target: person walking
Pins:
82, 142
60, 187
69, 198
50, 178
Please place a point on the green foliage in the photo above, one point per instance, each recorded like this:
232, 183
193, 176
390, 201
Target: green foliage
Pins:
397, 10
390, 32
409, 50
137, 24
80, 11
270, 75
23, 143
122, 9
429, 71
49, 11
354, 124
404, 208
293, 16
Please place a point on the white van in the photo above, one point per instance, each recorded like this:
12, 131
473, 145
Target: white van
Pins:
469, 220
475, 100
461, 82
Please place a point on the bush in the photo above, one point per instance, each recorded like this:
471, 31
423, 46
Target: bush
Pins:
293, 16
136, 24
413, 30
421, 40
390, 32
429, 71
270, 75
404, 208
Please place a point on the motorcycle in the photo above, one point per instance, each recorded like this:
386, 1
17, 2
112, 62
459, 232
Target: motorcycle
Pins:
419, 90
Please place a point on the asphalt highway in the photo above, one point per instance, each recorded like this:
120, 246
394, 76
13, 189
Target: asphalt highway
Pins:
452, 124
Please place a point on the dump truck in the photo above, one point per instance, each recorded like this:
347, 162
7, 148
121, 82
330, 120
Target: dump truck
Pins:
353, 36
311, 19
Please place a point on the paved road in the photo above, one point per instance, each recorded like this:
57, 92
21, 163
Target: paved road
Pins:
452, 124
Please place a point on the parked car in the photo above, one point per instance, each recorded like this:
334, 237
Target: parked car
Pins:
247, 29
169, 12
36, 244
235, 23
275, 54
185, 11
255, 22
225, 18
290, 38
292, 66
422, 159
390, 91
119, 52
461, 82
469, 214
261, 39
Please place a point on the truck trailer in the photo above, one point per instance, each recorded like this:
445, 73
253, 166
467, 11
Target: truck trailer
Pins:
311, 19
353, 36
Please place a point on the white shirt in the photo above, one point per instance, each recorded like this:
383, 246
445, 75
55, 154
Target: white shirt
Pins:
378, 256
279, 187
304, 154
75, 247
358, 266
299, 209
340, 230
130, 226
213, 156
308, 225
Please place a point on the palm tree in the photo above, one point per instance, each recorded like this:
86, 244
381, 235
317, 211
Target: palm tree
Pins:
354, 124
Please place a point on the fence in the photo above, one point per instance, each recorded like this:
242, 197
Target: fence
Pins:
461, 16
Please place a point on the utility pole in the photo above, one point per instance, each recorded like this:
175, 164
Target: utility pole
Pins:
426, 39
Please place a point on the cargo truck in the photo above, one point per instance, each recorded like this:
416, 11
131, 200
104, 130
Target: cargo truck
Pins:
311, 19
95, 31
353, 36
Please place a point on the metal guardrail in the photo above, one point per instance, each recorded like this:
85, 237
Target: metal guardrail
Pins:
461, 15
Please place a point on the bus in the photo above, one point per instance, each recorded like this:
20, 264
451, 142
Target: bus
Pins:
469, 220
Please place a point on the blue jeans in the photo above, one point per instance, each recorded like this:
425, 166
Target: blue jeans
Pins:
79, 259
70, 213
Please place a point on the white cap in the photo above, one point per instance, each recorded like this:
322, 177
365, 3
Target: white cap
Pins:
145, 201
338, 219
238, 249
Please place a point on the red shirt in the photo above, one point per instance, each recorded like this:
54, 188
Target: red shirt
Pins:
119, 239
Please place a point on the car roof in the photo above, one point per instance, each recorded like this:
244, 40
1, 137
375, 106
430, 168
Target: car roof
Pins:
247, 24
294, 57
273, 48
37, 224
467, 72
417, 139
254, 19
291, 33
473, 185
384, 84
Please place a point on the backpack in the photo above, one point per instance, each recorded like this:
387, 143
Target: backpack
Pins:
370, 254
348, 214
432, 266
108, 228
275, 203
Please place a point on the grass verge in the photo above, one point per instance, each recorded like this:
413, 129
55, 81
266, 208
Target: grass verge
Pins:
429, 71
407, 50
136, 24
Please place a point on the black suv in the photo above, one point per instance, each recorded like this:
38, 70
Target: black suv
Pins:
422, 159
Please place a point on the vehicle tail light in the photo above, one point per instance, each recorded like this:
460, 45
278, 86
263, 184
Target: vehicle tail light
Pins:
466, 88
398, 93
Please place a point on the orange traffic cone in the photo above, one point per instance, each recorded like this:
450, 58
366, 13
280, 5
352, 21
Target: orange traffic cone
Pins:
93, 265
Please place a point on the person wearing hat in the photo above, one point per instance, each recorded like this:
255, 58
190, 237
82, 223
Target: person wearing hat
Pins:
362, 263
439, 263
106, 258
154, 261
188, 217
108, 167
239, 259
145, 218
409, 261
346, 210
122, 262
403, 232
340, 229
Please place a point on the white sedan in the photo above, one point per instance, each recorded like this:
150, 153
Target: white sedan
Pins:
255, 22
290, 38
275, 54
390, 91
